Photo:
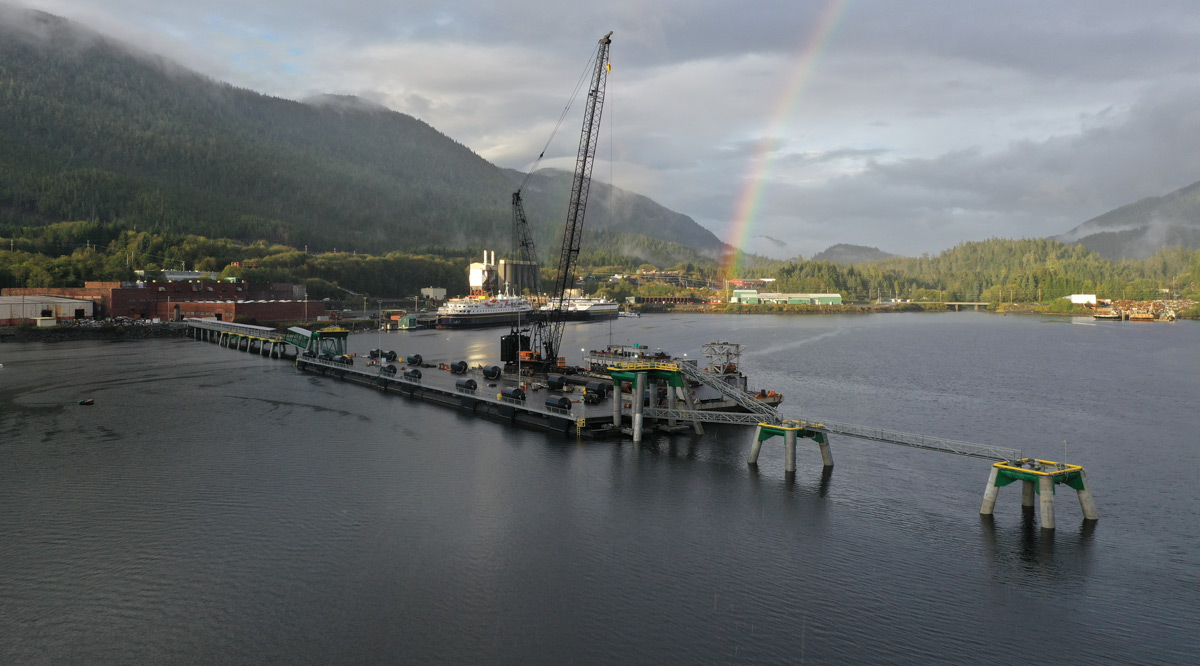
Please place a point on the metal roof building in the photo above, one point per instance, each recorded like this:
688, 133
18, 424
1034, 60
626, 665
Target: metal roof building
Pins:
22, 309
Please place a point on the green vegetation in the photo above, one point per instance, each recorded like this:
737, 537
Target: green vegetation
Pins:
996, 271
69, 253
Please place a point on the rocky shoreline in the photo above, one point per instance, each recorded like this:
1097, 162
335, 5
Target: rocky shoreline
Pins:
68, 333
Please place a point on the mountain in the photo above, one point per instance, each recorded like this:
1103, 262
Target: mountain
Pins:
92, 129
615, 211
850, 254
1142, 228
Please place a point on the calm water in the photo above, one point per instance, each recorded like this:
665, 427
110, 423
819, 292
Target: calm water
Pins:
216, 507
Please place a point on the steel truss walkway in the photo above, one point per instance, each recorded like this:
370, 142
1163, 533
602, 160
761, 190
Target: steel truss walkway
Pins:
759, 413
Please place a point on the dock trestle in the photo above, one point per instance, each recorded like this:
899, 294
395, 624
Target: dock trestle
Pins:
258, 340
1040, 477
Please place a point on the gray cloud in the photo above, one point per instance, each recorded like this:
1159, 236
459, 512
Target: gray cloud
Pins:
912, 127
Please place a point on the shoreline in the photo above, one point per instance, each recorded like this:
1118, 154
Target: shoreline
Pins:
70, 333
176, 330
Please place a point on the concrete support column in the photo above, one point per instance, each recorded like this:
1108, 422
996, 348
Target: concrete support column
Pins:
1046, 488
617, 397
1085, 499
990, 493
826, 454
672, 401
639, 393
1027, 494
756, 447
789, 442
691, 405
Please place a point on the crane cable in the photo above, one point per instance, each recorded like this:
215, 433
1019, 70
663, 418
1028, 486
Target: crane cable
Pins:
583, 78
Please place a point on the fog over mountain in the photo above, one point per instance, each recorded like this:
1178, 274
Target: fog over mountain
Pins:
910, 126
1140, 229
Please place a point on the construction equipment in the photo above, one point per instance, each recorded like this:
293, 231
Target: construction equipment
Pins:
543, 335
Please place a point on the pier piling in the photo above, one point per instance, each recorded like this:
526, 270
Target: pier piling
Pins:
639, 395
617, 397
789, 443
756, 448
1086, 503
1046, 488
990, 493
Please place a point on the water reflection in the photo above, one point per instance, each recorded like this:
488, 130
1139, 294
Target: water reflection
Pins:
1029, 553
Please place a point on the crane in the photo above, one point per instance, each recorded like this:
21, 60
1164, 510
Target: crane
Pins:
544, 339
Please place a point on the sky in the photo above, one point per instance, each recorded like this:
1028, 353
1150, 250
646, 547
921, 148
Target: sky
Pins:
783, 127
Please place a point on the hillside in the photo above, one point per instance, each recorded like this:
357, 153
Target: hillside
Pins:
91, 129
1139, 229
850, 254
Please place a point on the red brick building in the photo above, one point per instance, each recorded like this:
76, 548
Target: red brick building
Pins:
145, 300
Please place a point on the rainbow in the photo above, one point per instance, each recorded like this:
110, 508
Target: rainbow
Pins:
752, 194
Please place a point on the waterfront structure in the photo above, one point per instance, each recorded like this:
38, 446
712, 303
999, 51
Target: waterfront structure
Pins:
1040, 477
177, 300
754, 297
656, 385
22, 309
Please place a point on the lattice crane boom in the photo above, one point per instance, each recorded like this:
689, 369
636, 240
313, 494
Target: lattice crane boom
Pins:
573, 232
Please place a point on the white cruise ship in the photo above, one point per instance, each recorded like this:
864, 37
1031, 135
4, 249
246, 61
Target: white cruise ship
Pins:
586, 309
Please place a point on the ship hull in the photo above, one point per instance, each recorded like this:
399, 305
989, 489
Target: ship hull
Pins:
588, 311
481, 320
591, 314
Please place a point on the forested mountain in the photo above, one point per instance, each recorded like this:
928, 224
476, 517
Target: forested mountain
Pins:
843, 253
94, 130
1140, 229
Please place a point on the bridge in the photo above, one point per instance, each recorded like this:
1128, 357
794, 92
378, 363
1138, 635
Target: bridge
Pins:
958, 305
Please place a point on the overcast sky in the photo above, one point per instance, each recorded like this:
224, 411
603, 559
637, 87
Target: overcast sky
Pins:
911, 126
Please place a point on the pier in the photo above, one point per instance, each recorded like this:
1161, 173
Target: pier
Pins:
658, 393
243, 337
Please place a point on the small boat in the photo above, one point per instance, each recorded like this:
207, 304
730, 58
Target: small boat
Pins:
87, 401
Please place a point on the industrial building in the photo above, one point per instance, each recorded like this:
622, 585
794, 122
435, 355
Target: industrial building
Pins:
753, 297
175, 300
42, 309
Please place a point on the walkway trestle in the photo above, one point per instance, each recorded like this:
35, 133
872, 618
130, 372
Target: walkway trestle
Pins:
249, 338
1038, 477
